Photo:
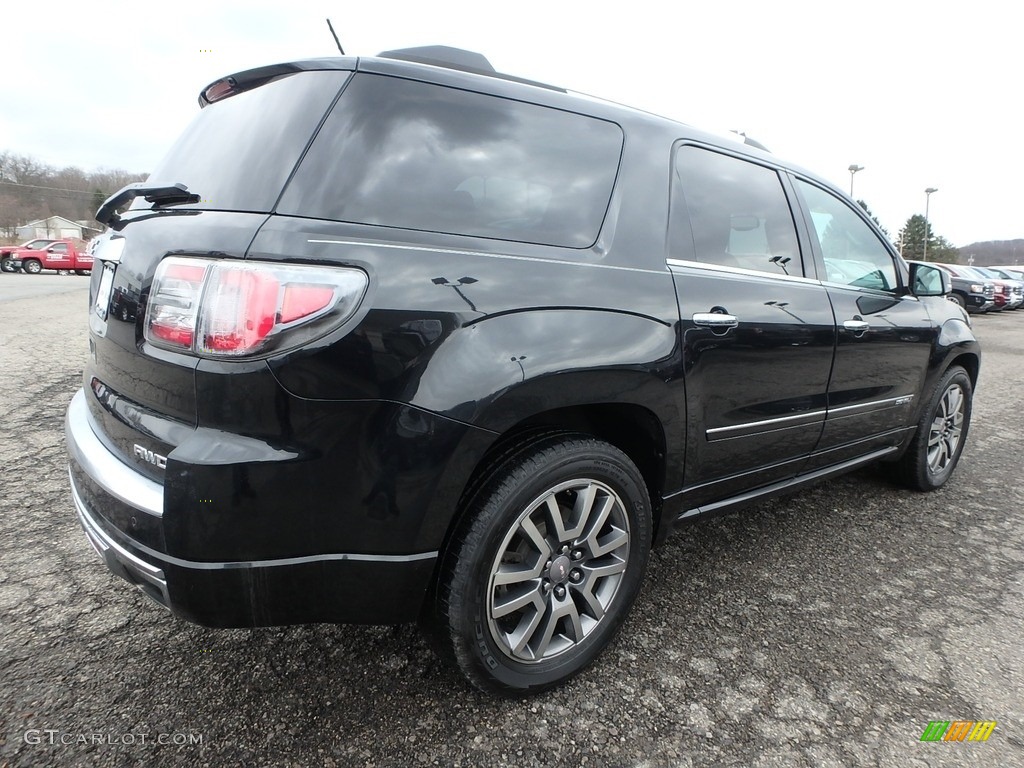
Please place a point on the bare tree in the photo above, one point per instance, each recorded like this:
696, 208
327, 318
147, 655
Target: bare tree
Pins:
34, 190
13, 213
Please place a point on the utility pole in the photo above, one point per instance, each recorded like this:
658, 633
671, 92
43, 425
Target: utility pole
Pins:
927, 199
853, 169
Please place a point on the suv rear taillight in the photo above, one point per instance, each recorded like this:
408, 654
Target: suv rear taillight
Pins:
234, 309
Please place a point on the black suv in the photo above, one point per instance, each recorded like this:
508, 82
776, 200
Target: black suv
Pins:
403, 338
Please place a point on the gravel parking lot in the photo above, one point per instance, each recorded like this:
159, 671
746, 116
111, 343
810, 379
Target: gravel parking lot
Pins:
821, 629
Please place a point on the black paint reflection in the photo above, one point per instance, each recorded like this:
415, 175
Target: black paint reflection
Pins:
418, 156
458, 287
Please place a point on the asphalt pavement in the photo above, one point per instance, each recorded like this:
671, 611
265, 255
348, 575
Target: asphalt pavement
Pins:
826, 628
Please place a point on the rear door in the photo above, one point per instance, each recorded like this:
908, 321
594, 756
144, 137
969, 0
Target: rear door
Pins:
757, 329
885, 335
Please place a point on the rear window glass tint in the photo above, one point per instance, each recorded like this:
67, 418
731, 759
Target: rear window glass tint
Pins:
739, 215
237, 153
407, 154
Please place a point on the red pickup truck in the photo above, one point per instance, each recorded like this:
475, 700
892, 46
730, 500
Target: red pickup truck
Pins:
60, 254
39, 244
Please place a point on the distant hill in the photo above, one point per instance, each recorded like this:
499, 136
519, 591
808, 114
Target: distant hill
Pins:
1004, 252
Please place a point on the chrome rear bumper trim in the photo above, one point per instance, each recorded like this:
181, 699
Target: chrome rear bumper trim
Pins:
118, 559
106, 470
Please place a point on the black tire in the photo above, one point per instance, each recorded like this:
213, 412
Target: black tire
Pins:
578, 576
32, 266
956, 298
83, 272
941, 433
5, 266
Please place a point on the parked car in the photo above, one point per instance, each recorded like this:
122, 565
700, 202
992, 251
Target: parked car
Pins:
1000, 291
60, 255
6, 263
971, 293
405, 338
1014, 272
1003, 288
1014, 286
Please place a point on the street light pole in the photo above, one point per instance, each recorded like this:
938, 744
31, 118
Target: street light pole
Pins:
927, 199
853, 169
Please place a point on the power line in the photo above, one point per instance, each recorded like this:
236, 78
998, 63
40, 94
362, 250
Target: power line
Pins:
90, 193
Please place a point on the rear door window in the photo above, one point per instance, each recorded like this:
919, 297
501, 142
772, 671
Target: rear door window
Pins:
402, 153
738, 214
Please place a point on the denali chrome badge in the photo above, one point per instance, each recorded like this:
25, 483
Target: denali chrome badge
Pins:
152, 458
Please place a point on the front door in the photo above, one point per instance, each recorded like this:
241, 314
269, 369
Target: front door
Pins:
884, 334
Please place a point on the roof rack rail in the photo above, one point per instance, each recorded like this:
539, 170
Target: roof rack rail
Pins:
751, 142
458, 59
443, 56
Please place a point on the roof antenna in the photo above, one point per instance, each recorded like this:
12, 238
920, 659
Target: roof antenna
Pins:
337, 42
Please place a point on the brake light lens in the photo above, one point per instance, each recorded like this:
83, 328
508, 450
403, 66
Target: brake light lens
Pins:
235, 309
220, 89
175, 306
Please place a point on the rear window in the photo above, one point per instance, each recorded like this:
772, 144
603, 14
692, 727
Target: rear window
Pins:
237, 153
401, 153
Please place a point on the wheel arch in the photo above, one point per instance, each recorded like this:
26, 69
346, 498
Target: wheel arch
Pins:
956, 346
633, 428
970, 362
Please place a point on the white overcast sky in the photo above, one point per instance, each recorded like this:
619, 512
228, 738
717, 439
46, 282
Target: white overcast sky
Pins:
922, 94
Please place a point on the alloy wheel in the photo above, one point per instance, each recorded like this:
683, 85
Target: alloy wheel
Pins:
946, 429
558, 570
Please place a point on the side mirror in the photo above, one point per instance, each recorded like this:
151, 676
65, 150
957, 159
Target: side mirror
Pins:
926, 280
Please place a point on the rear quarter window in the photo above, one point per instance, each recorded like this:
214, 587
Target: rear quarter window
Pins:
407, 154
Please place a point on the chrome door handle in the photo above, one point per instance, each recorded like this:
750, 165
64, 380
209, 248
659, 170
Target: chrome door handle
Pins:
715, 320
856, 326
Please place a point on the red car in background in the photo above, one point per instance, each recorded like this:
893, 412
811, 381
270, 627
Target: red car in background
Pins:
1001, 293
1013, 287
59, 254
37, 244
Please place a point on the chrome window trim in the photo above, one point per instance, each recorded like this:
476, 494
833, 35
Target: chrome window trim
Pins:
509, 256
707, 267
872, 291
